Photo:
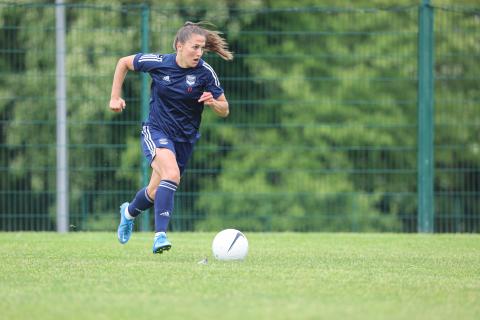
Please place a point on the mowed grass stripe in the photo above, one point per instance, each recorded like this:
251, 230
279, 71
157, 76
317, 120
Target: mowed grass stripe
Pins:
285, 276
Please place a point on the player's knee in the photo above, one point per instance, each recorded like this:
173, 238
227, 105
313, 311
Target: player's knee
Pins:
172, 175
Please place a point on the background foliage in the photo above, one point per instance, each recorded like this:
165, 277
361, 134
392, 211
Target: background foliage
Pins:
323, 127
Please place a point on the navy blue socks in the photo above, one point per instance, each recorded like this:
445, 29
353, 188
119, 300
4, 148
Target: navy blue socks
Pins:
164, 204
140, 203
164, 198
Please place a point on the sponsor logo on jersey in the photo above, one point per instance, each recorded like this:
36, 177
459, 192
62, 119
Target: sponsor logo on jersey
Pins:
191, 80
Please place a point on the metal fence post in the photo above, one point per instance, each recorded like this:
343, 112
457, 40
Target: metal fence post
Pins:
62, 132
425, 118
145, 226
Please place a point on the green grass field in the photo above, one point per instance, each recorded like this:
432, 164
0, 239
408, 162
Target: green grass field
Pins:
286, 276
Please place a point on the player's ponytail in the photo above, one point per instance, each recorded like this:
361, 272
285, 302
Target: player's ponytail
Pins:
214, 42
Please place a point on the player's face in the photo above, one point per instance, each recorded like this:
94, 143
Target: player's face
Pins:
190, 52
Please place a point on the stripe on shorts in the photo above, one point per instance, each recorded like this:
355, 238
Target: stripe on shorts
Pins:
147, 137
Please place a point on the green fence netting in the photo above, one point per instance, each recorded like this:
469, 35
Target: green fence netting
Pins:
322, 136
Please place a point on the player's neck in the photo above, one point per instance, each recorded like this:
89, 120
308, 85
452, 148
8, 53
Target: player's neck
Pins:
180, 62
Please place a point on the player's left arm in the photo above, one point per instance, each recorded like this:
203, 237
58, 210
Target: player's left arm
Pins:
219, 105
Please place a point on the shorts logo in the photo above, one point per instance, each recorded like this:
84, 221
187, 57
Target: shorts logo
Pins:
191, 80
163, 141
166, 78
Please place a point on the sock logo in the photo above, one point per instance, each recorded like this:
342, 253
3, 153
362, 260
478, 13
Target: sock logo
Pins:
165, 214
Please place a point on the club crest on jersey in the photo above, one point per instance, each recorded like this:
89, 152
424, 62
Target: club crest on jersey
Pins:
191, 80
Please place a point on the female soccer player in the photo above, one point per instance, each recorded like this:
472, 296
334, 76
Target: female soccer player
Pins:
182, 84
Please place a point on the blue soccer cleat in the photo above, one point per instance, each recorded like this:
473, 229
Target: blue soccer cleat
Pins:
161, 243
125, 228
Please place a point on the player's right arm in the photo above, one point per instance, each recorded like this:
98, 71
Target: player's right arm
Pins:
117, 104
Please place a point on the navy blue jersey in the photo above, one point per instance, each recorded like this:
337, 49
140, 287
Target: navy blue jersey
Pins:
174, 106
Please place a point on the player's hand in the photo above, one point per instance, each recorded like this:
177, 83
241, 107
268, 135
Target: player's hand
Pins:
117, 104
207, 98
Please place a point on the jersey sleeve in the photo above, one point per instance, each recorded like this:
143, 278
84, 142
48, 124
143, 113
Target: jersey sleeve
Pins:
213, 84
146, 62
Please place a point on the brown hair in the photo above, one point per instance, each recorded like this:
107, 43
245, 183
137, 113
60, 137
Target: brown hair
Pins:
214, 42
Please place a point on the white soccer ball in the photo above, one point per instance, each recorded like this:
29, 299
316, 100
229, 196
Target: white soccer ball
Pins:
230, 244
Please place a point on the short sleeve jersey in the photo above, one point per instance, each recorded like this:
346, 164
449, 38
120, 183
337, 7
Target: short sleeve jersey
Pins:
174, 106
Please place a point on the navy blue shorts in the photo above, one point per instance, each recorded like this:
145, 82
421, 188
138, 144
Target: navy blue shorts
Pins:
152, 139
